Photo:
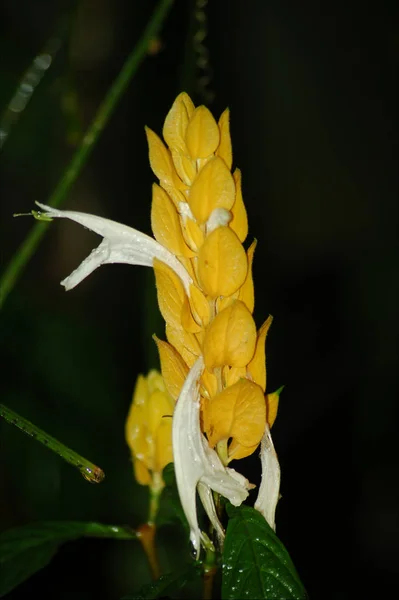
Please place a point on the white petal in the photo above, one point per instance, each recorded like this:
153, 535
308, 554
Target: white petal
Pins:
206, 496
121, 244
268, 494
196, 462
219, 217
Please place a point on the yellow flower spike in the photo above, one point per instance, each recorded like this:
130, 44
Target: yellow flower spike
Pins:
202, 135
174, 370
246, 292
146, 428
257, 366
224, 150
175, 126
238, 412
222, 263
272, 401
184, 165
185, 343
213, 187
230, 338
171, 294
165, 223
239, 222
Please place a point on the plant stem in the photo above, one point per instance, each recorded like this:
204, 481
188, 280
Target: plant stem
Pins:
89, 471
209, 570
79, 159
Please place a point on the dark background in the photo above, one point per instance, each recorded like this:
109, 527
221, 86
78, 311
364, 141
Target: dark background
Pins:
311, 88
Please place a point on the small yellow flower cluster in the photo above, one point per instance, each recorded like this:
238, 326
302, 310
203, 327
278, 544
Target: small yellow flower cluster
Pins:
148, 429
198, 214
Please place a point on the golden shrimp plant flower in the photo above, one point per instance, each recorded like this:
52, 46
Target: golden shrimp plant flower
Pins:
148, 430
214, 361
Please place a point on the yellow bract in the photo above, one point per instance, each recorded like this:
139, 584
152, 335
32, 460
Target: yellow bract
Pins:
165, 223
202, 135
222, 263
148, 427
257, 366
171, 294
214, 187
239, 223
198, 214
225, 150
230, 338
239, 413
174, 369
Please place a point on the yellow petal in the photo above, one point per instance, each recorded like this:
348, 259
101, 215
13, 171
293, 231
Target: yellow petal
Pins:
163, 445
230, 338
213, 187
238, 412
257, 366
246, 291
222, 263
184, 165
141, 473
171, 294
165, 223
185, 343
225, 151
202, 135
239, 222
174, 369
272, 401
175, 126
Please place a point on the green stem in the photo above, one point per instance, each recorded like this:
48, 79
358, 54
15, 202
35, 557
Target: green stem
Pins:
134, 60
89, 471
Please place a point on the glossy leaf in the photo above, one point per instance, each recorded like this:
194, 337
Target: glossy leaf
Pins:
255, 562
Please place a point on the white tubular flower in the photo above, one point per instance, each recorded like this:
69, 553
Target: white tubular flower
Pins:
121, 244
269, 489
196, 462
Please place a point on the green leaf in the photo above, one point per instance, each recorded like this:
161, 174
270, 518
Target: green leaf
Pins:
27, 549
255, 562
170, 583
